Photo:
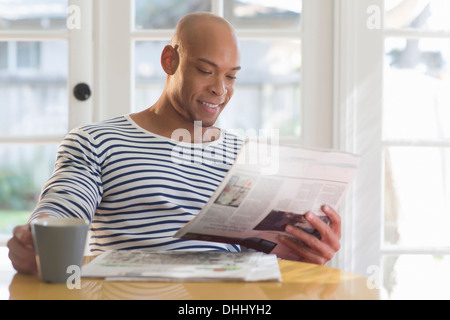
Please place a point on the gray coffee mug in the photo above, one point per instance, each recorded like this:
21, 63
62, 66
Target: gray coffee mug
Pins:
59, 243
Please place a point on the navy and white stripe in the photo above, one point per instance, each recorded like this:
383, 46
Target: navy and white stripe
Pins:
136, 188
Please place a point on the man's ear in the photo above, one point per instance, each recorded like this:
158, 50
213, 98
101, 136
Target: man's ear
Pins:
170, 59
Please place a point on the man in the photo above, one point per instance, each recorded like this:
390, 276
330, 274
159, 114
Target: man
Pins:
125, 178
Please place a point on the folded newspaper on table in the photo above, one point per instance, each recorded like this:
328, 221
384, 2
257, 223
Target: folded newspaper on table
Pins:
147, 265
268, 188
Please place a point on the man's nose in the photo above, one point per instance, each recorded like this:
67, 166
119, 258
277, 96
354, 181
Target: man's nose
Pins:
218, 88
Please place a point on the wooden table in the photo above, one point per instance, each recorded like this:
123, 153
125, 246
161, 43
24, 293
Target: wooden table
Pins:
301, 281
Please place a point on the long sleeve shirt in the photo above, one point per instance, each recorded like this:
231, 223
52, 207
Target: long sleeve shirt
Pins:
136, 189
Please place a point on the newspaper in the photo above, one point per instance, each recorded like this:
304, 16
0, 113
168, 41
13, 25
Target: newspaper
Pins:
269, 187
148, 265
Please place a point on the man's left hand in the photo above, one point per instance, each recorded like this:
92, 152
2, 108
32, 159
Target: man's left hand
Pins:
311, 249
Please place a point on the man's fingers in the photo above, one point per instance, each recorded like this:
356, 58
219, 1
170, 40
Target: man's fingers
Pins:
329, 234
21, 251
307, 246
304, 253
22, 257
335, 219
24, 235
312, 245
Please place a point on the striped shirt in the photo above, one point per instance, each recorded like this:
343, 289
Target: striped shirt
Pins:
137, 189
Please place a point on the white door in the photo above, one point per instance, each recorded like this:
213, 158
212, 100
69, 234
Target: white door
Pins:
393, 94
45, 51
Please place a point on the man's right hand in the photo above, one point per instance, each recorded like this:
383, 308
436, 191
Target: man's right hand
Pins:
21, 250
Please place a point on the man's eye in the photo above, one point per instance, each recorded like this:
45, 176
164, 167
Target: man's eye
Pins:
204, 71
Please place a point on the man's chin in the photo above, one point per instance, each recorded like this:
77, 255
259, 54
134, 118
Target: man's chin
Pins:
206, 122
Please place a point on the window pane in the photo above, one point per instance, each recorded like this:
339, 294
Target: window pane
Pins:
165, 14
264, 14
23, 171
416, 277
33, 14
3, 55
33, 88
417, 196
416, 94
267, 92
424, 14
149, 75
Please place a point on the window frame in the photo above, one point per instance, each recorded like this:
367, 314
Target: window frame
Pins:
80, 61
114, 55
358, 105
357, 128
416, 34
80, 50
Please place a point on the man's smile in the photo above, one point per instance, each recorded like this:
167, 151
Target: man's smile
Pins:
211, 108
210, 105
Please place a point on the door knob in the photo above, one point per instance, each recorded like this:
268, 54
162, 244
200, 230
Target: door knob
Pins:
82, 92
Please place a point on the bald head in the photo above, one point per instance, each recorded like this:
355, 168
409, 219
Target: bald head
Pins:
201, 63
199, 27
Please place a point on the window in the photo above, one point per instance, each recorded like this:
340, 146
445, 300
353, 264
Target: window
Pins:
268, 90
37, 108
33, 15
392, 99
34, 89
164, 15
276, 37
416, 95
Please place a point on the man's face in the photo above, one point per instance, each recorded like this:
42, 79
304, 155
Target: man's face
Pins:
204, 81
